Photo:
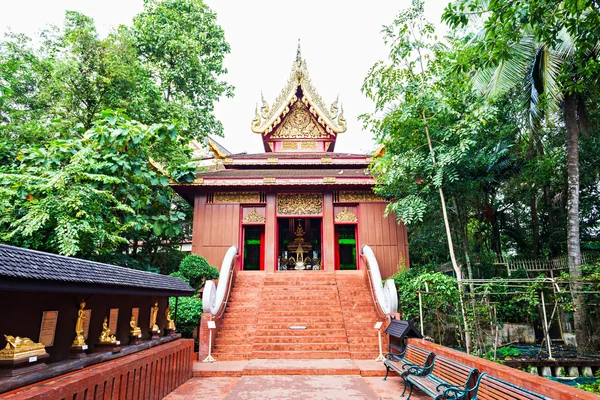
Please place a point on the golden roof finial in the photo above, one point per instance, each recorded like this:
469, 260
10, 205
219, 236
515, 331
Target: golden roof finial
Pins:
298, 52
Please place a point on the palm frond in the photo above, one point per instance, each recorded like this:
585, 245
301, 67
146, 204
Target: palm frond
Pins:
508, 73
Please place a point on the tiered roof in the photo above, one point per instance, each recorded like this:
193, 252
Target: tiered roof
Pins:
299, 135
299, 115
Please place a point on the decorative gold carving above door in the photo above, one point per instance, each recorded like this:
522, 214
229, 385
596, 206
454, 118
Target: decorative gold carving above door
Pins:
237, 197
299, 204
253, 217
358, 197
346, 216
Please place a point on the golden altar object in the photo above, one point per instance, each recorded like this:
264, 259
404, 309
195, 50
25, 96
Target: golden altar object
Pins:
21, 347
79, 338
299, 247
105, 336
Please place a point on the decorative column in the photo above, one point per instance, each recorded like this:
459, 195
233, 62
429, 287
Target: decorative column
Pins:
270, 233
328, 233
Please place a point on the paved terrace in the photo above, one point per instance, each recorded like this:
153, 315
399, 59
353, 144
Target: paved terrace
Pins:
291, 379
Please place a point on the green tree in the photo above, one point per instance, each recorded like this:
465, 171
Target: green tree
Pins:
80, 196
184, 48
197, 270
549, 50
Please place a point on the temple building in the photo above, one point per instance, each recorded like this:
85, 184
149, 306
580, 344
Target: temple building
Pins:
299, 205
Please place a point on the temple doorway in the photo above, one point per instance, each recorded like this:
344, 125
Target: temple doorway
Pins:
345, 240
299, 243
253, 243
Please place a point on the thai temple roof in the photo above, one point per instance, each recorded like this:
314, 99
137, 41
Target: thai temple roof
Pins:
299, 114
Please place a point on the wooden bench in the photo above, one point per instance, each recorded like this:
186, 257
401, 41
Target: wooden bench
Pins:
491, 388
441, 376
413, 360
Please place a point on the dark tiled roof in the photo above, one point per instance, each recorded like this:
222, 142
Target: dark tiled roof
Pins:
402, 329
24, 265
286, 173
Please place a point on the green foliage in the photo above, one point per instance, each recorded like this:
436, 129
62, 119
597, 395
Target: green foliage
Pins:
79, 179
184, 49
189, 310
197, 270
82, 195
439, 301
592, 387
503, 353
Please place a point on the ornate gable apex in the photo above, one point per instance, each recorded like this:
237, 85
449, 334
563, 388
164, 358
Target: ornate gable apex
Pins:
268, 118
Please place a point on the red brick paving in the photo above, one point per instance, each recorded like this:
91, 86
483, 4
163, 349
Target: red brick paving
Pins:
289, 367
292, 387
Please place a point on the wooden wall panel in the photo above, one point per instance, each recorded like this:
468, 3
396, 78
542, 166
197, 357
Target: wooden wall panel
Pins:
385, 236
216, 228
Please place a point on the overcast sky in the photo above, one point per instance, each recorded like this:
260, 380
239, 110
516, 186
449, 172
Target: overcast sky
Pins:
340, 41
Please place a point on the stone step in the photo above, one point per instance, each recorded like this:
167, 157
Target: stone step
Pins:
300, 347
301, 313
301, 354
309, 326
296, 320
232, 356
307, 332
300, 339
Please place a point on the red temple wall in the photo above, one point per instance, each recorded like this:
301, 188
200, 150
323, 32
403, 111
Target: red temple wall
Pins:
216, 228
385, 236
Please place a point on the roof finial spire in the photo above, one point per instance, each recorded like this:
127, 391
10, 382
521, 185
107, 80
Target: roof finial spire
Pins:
299, 52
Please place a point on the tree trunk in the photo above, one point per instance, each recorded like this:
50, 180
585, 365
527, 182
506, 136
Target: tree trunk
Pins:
457, 268
535, 227
584, 344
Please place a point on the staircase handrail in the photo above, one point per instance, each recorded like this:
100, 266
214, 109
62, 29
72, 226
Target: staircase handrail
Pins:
385, 296
215, 298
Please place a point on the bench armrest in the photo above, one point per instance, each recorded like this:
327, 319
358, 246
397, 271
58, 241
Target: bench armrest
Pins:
416, 370
456, 393
393, 357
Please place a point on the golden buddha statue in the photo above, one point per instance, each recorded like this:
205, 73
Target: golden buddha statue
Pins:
105, 336
79, 338
20, 347
153, 317
135, 330
170, 322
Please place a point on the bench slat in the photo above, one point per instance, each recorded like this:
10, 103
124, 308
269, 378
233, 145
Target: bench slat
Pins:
492, 388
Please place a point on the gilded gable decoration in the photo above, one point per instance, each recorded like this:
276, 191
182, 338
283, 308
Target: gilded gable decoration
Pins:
299, 204
346, 216
332, 118
237, 197
359, 197
253, 216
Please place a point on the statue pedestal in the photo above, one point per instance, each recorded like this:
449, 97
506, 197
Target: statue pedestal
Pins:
106, 347
170, 332
78, 351
20, 366
155, 335
137, 339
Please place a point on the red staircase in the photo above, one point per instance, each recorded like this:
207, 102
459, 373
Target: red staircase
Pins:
336, 309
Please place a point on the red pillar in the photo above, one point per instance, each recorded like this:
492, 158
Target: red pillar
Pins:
270, 233
328, 233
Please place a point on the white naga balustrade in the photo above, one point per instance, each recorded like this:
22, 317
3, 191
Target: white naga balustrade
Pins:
385, 295
213, 296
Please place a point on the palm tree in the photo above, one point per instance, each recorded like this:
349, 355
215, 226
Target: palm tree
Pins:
533, 70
